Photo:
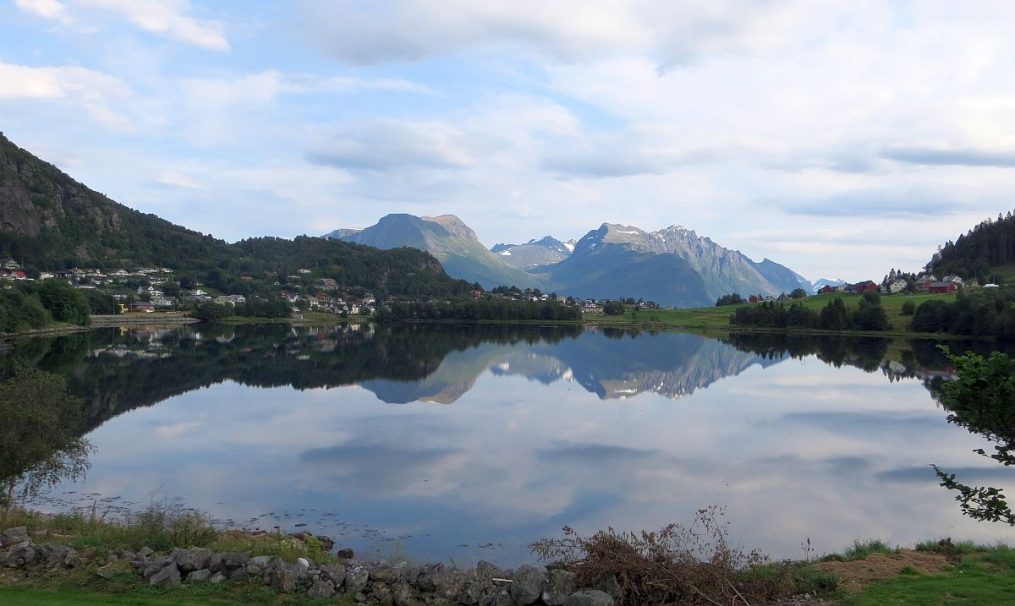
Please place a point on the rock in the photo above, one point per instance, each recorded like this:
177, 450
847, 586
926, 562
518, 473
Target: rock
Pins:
189, 560
386, 574
54, 555
321, 589
14, 536
334, 573
284, 578
260, 561
559, 585
155, 566
167, 577
327, 543
303, 566
21, 556
345, 554
217, 578
215, 563
403, 595
528, 585
381, 594
199, 576
589, 597
488, 570
239, 573
356, 578
231, 560
145, 552
115, 568
502, 598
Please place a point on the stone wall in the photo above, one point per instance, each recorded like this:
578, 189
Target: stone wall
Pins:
378, 583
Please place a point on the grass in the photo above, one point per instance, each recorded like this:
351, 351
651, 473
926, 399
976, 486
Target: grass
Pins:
975, 580
718, 318
85, 588
161, 527
861, 549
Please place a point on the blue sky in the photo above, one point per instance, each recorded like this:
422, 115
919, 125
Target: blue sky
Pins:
840, 139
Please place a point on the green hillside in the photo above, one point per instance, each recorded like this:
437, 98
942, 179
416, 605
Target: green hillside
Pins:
49, 221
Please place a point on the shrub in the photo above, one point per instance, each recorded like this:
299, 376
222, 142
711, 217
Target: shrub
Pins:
677, 564
908, 308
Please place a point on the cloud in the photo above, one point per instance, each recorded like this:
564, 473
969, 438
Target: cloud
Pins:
164, 17
387, 145
950, 157
569, 30
48, 9
896, 202
178, 180
92, 90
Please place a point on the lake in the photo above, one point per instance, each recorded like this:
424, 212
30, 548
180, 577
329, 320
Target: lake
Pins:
452, 443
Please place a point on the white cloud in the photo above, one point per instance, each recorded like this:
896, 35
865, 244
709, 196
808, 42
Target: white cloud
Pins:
48, 9
386, 145
569, 30
91, 90
168, 18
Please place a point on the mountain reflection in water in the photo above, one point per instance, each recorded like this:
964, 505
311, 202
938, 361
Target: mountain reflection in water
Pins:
819, 437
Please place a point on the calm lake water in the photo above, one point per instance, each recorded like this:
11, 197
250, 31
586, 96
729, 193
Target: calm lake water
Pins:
458, 443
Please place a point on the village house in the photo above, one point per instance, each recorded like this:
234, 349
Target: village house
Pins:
940, 288
863, 287
826, 289
923, 283
896, 287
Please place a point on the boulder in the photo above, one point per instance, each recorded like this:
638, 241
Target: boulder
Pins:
589, 597
217, 578
559, 585
155, 566
334, 573
403, 595
169, 576
356, 578
528, 585
22, 555
231, 560
381, 594
345, 554
189, 560
284, 578
15, 536
199, 576
487, 570
321, 589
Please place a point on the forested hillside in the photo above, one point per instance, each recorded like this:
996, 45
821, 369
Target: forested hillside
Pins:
989, 245
49, 221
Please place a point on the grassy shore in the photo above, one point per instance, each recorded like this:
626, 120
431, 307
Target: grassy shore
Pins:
865, 574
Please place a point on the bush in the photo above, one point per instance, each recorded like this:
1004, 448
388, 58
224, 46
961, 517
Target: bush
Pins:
613, 308
64, 302
908, 308
677, 564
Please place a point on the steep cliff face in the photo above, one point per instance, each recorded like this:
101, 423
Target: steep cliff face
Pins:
54, 221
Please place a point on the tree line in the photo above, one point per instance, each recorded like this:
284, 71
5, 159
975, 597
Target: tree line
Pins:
868, 315
477, 309
31, 305
983, 313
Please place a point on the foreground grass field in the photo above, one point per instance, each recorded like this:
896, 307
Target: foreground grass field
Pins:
718, 318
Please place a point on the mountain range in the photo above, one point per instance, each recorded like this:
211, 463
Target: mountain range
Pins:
672, 266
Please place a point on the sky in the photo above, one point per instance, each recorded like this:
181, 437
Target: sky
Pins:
841, 139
